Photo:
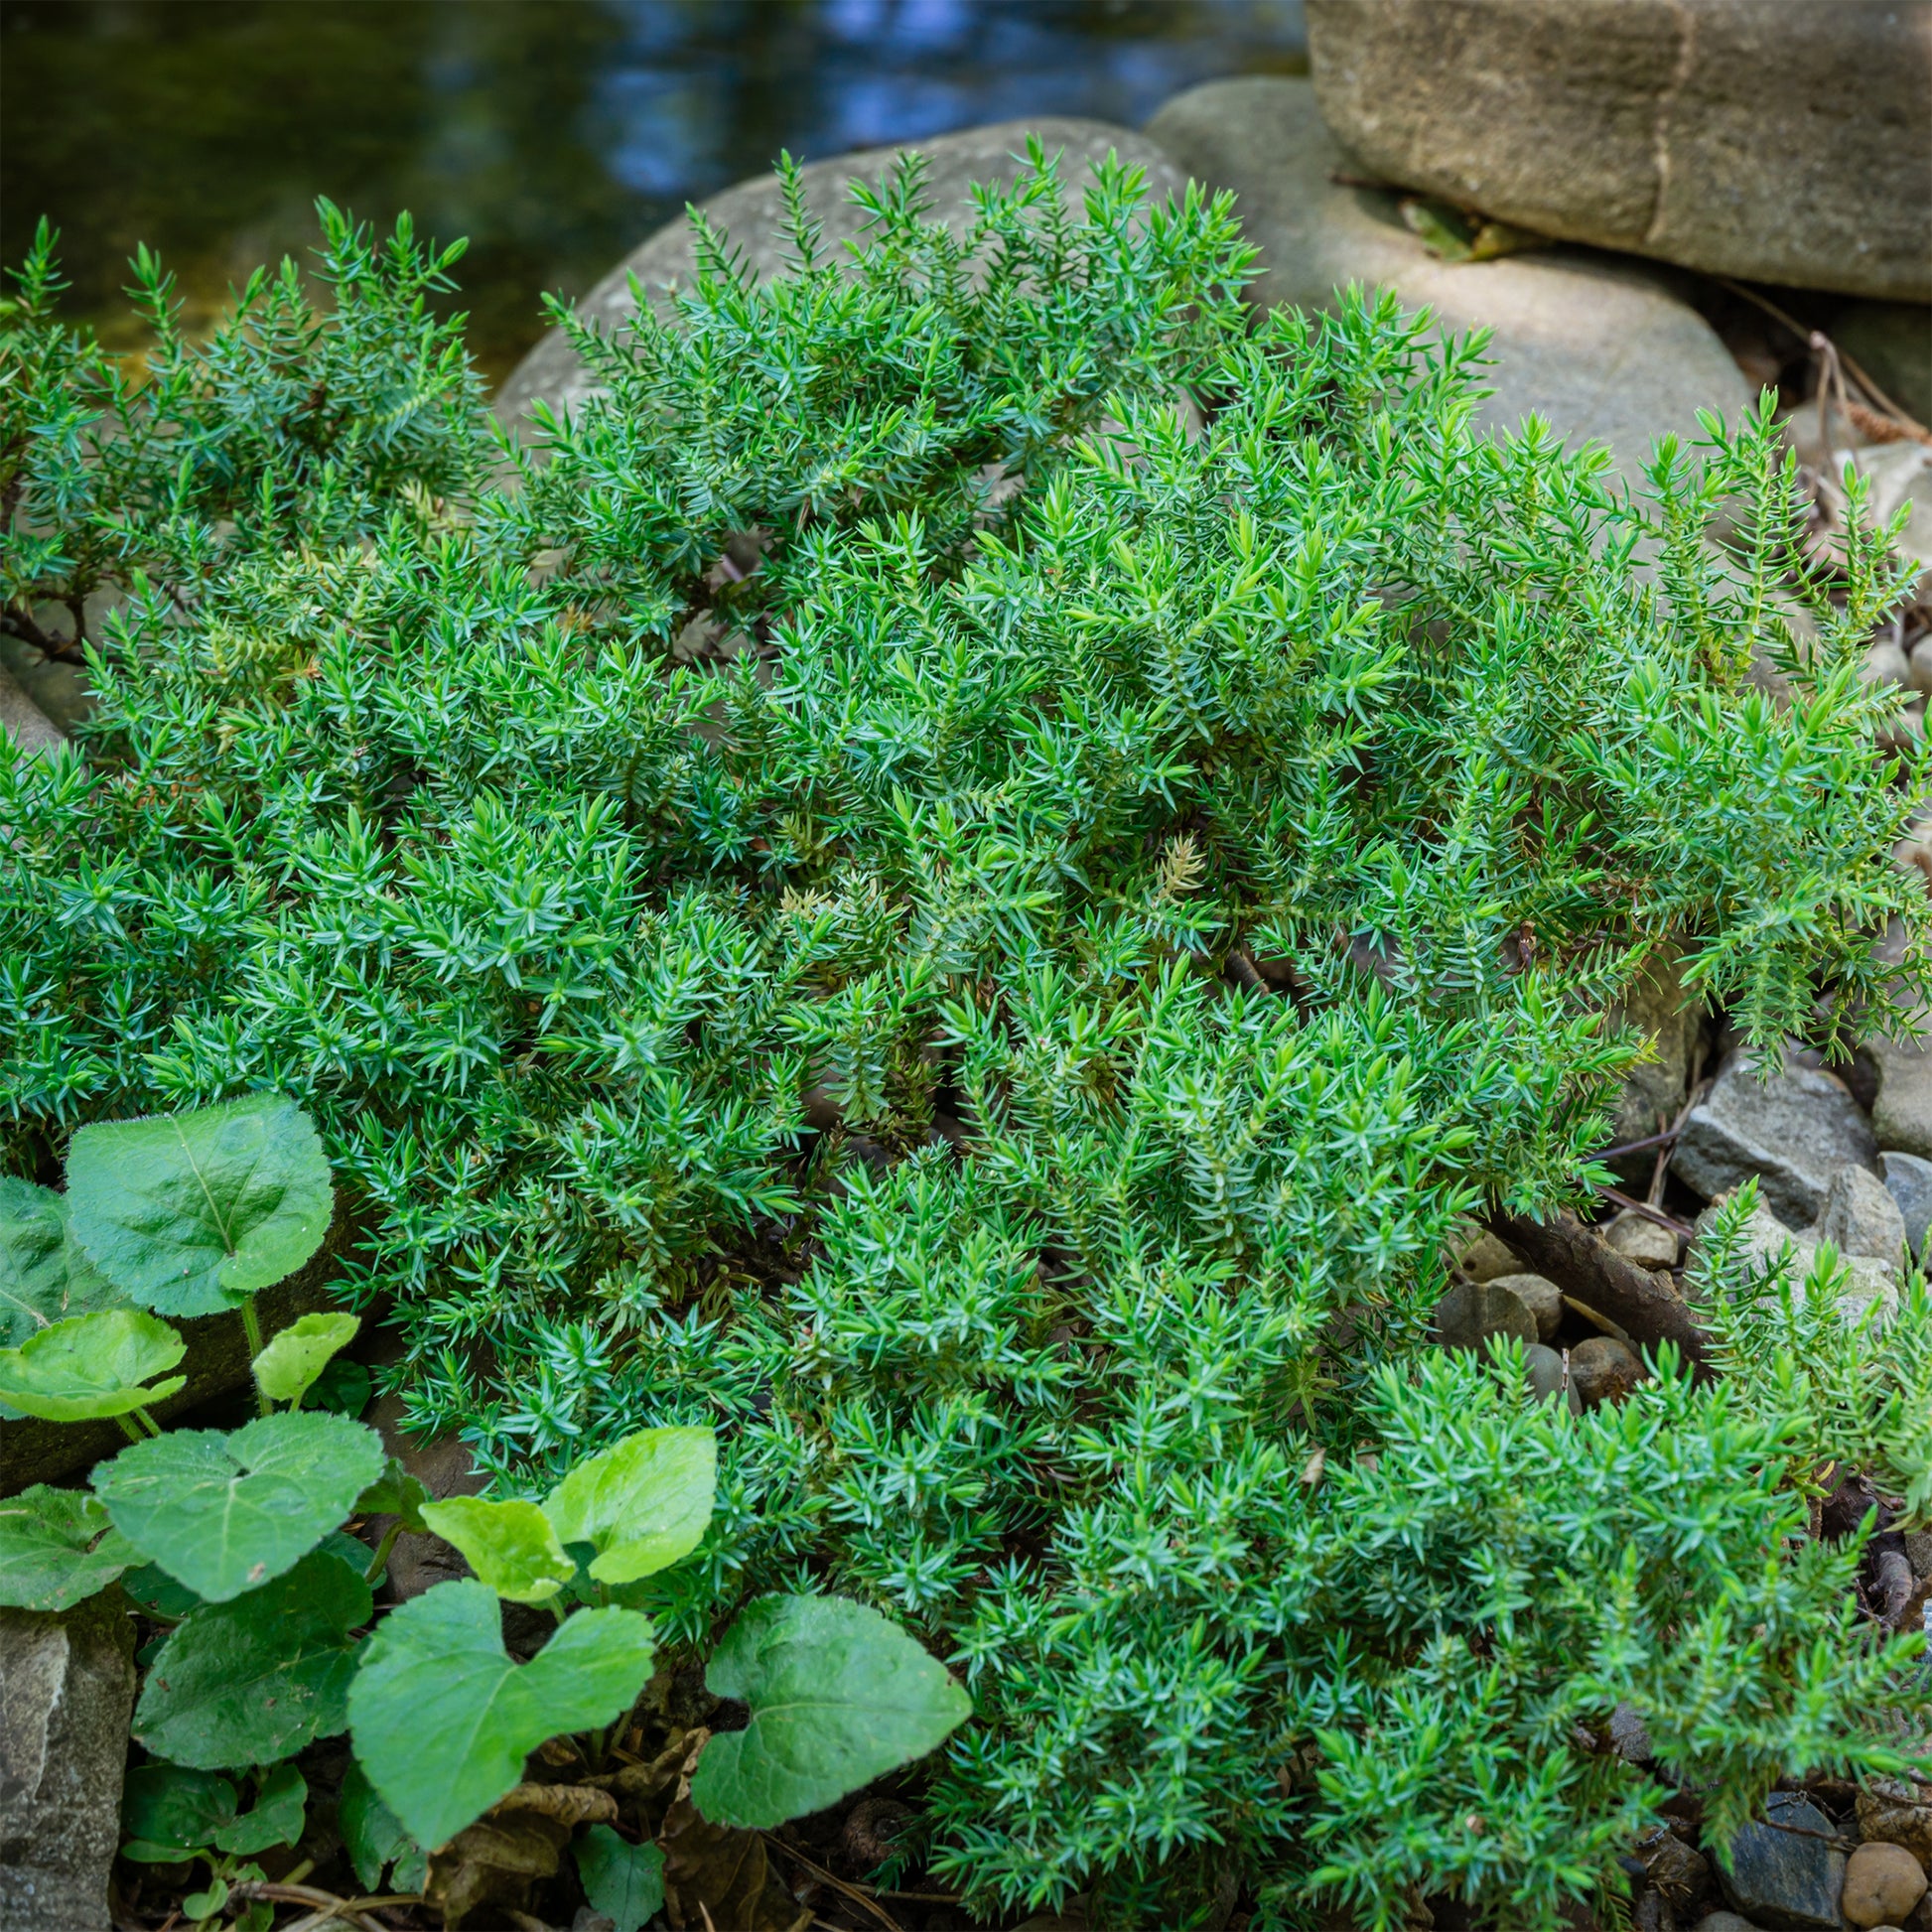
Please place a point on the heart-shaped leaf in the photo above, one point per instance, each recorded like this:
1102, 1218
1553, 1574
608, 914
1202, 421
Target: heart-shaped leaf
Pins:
255, 1679
395, 1492
191, 1213
642, 1503
624, 1882
443, 1720
56, 1545
343, 1387
91, 1365
293, 1360
509, 1545
277, 1817
838, 1696
373, 1836
168, 1811
44, 1276
223, 1513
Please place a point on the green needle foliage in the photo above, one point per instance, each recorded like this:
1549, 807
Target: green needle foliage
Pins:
962, 878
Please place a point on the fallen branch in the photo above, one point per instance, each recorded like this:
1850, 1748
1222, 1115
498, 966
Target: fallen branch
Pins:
1587, 1268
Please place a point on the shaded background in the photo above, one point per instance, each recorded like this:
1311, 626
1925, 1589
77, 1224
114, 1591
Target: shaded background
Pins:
554, 133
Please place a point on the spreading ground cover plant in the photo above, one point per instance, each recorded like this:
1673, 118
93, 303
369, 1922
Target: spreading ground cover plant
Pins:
962, 881
231, 1537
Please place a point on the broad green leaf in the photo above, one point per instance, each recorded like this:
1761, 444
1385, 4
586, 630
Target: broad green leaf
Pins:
395, 1492
206, 1903
91, 1365
255, 1679
56, 1545
223, 1513
152, 1589
838, 1696
293, 1360
443, 1720
343, 1387
644, 1503
191, 1213
509, 1545
167, 1808
374, 1836
624, 1882
276, 1818
33, 1259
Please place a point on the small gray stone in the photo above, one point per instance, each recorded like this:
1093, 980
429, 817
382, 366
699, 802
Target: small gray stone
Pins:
1486, 1258
1793, 1130
1630, 1735
1472, 1312
1918, 1552
1767, 1241
1908, 1176
1782, 1878
22, 721
1543, 1299
66, 1698
1601, 1369
1897, 1811
1655, 1090
1724, 1922
1640, 1239
751, 215
1901, 1115
1860, 1217
1548, 1376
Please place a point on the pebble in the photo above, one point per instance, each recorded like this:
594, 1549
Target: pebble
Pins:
1784, 1878
1860, 1217
1486, 1258
1601, 1369
1472, 1312
1793, 1130
1868, 1282
1901, 1115
1639, 1238
1543, 1299
1909, 1180
1882, 1883
1724, 1922
1548, 1375
1897, 1811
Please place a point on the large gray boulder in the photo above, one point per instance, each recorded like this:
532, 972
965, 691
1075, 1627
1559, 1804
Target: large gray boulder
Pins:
22, 721
66, 1697
1604, 350
1771, 139
753, 214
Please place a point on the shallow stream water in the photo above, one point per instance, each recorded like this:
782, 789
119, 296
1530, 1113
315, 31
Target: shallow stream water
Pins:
554, 133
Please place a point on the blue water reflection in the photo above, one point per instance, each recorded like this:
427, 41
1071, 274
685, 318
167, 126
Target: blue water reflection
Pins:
554, 133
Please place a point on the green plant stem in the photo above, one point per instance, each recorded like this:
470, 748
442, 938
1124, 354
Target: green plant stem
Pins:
252, 1323
132, 1433
148, 1422
382, 1550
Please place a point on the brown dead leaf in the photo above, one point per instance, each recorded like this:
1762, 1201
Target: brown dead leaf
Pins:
716, 1875
518, 1841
